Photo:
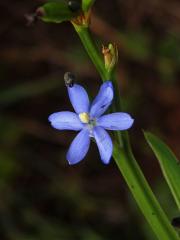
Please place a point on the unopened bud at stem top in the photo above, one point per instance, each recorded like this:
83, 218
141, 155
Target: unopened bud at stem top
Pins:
110, 56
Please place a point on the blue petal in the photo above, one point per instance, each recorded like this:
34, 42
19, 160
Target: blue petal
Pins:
79, 147
115, 121
102, 100
79, 98
104, 144
65, 121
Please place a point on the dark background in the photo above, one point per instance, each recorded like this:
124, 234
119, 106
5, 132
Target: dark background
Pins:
41, 196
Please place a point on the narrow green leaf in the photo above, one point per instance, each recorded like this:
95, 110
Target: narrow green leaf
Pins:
86, 4
169, 164
57, 12
143, 194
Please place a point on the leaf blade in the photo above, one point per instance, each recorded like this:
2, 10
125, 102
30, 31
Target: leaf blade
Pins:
169, 164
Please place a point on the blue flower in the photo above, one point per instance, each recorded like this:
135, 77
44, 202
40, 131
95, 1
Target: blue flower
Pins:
89, 121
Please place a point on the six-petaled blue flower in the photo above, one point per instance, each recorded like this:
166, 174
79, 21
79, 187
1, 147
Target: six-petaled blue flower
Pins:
89, 121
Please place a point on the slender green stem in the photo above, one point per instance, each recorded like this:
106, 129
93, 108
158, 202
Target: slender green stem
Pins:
124, 157
95, 56
97, 59
143, 194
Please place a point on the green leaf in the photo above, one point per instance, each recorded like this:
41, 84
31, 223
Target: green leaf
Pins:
57, 12
143, 194
169, 164
86, 4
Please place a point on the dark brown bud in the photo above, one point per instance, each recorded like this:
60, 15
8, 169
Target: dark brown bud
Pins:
69, 79
74, 6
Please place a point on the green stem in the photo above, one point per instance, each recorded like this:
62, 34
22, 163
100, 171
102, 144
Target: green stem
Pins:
143, 195
95, 56
125, 160
98, 61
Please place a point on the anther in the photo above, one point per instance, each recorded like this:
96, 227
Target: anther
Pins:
84, 117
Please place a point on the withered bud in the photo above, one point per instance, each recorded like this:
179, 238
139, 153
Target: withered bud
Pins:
32, 18
74, 5
40, 12
69, 79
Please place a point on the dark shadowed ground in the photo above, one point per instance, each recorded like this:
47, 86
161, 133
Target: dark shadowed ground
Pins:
41, 196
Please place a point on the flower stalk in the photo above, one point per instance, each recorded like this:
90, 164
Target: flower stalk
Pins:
123, 155
91, 48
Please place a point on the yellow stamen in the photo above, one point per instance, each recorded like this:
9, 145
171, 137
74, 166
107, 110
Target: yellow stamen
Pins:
84, 117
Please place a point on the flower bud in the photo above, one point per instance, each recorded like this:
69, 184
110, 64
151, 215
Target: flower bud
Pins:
110, 56
69, 79
74, 6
